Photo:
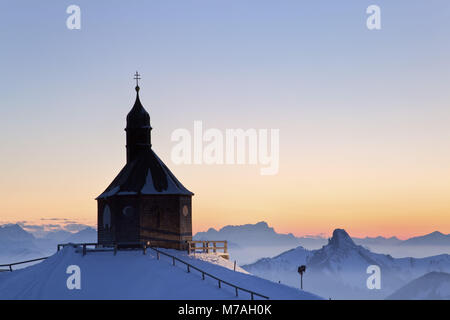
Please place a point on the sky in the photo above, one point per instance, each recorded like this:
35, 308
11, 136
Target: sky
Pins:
363, 115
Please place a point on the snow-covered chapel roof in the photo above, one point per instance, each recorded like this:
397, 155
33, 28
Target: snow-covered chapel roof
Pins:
146, 175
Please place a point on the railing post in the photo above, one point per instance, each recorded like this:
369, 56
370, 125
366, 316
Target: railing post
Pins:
203, 276
251, 294
219, 284
225, 247
10, 268
115, 248
236, 291
144, 249
157, 254
188, 269
84, 249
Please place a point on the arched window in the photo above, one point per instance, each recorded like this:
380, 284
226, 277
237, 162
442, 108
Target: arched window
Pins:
106, 218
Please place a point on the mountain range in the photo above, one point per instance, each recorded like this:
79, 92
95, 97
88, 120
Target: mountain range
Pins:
339, 269
251, 242
17, 244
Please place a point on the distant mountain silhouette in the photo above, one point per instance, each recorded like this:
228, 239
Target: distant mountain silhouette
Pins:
251, 242
432, 239
379, 241
434, 243
58, 235
17, 244
254, 234
14, 233
87, 235
259, 234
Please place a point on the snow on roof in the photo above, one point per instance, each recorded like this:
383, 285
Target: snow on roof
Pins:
132, 275
147, 174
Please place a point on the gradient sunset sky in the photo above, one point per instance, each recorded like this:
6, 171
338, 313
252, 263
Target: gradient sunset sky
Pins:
364, 116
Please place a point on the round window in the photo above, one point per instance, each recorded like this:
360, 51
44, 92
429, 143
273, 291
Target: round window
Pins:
128, 211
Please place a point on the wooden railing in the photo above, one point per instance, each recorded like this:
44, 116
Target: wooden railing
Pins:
144, 246
207, 248
206, 274
10, 265
83, 245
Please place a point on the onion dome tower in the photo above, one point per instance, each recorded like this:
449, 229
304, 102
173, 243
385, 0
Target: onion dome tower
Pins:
145, 202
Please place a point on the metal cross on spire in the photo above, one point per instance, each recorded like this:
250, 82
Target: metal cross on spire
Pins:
137, 77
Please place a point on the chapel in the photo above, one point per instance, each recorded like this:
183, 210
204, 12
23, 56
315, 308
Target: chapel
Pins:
145, 203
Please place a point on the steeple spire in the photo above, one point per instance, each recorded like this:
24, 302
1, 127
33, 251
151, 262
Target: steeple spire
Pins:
138, 127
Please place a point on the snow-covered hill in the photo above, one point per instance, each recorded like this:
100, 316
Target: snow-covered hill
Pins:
338, 270
132, 275
432, 286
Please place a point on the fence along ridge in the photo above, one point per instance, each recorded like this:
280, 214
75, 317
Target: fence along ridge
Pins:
144, 248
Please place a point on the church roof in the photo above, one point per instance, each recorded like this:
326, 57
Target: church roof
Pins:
146, 175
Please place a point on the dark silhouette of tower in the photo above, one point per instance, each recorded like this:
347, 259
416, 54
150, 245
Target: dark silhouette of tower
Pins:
145, 202
138, 127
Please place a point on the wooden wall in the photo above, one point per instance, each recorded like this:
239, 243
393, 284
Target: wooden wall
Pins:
164, 220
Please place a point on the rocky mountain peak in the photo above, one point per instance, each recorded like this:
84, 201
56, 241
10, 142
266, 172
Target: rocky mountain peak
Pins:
341, 239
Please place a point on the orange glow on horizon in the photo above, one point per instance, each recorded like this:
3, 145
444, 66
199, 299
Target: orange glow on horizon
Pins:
303, 200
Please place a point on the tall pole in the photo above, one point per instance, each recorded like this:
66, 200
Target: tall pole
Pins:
301, 280
301, 270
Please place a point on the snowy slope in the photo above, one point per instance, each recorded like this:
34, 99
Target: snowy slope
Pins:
432, 286
132, 275
338, 270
